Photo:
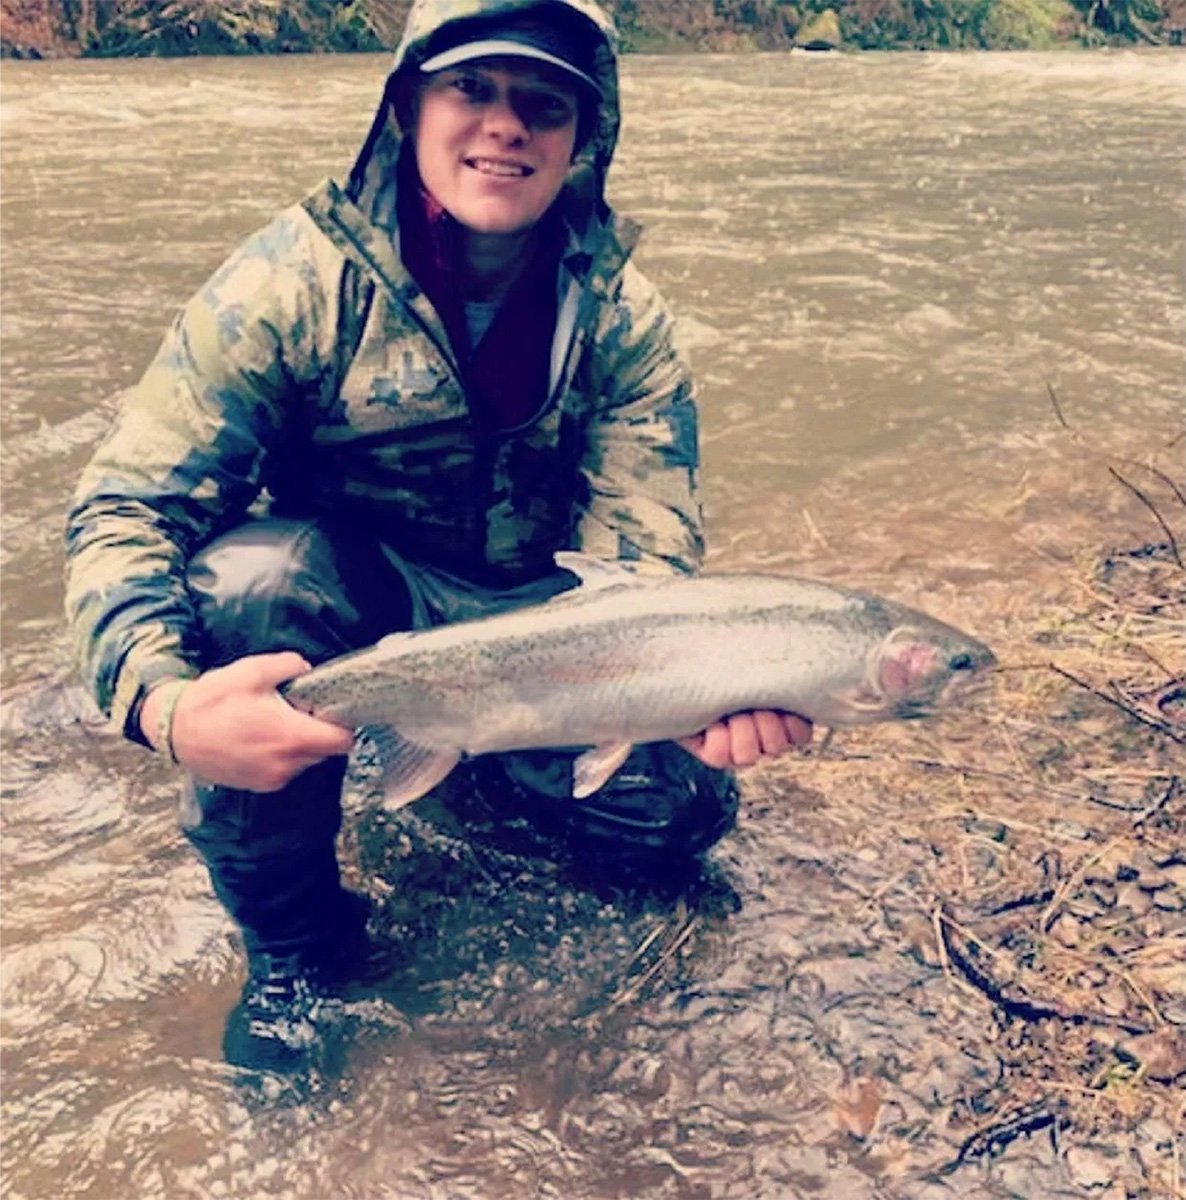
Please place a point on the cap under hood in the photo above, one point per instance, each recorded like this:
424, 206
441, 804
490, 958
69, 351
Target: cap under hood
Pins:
430, 23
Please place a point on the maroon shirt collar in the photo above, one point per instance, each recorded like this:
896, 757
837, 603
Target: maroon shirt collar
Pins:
506, 377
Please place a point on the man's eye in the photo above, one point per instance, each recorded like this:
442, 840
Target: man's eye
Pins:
472, 87
547, 110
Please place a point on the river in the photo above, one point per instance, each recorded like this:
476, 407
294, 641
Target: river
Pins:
882, 264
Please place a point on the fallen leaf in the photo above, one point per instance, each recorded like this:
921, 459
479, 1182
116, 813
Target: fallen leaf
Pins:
858, 1105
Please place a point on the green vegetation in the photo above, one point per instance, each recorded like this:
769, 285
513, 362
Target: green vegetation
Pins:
108, 28
898, 24
957, 24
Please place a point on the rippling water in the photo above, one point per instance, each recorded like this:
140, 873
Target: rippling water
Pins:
880, 262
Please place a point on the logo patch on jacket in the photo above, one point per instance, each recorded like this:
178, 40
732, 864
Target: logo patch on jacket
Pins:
416, 378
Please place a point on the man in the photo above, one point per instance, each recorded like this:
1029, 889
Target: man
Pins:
432, 379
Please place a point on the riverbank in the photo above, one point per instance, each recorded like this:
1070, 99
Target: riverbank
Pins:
150, 28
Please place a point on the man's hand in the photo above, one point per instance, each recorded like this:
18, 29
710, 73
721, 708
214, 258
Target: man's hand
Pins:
744, 738
232, 727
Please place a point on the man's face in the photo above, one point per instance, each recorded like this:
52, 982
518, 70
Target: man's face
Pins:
494, 141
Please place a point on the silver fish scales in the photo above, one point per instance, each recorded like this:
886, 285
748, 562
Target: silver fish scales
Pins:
625, 659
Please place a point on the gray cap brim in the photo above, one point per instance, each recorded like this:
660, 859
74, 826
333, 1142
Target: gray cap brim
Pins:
496, 48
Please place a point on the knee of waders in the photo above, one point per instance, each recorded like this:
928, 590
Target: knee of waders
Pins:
284, 584
662, 805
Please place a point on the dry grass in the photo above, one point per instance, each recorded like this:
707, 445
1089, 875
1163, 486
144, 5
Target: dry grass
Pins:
1055, 883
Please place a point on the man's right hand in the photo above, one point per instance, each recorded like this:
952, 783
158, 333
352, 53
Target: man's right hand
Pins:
232, 727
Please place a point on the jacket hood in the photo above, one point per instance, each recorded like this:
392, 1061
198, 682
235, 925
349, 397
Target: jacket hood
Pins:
428, 20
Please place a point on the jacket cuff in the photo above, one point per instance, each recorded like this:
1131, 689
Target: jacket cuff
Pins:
136, 680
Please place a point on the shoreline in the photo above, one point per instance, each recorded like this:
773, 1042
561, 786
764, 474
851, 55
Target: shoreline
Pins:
33, 30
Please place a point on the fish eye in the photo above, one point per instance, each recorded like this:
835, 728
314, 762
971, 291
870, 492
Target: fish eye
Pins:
962, 662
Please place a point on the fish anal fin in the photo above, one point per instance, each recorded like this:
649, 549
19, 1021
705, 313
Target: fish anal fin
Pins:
407, 769
595, 766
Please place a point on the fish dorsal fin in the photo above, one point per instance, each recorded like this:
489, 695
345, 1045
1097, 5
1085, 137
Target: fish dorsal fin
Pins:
598, 572
407, 769
595, 766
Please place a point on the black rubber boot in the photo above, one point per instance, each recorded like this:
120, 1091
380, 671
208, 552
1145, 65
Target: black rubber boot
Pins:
289, 1019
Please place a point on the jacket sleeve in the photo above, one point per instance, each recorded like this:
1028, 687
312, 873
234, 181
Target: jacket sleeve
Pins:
642, 449
186, 457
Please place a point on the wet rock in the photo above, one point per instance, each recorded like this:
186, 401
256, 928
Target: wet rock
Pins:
1100, 895
993, 830
1067, 931
1176, 873
1069, 828
647, 1078
1154, 1146
1130, 896
1156, 1131
1169, 924
1113, 999
1090, 1167
1153, 879
1162, 1053
918, 936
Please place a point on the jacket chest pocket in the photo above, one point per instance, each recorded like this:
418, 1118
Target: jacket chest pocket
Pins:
398, 379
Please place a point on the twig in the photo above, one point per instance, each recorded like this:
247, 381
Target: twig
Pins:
1136, 714
1132, 462
935, 764
646, 944
668, 953
998, 1133
1073, 880
1023, 1006
1172, 944
1136, 491
1137, 991
1104, 962
1027, 901
1170, 792
1140, 648
940, 942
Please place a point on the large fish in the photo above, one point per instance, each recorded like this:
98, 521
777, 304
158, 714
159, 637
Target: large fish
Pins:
624, 659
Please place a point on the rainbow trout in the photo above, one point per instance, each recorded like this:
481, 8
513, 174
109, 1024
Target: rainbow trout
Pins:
624, 659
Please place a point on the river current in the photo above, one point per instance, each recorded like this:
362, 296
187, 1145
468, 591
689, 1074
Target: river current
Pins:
882, 265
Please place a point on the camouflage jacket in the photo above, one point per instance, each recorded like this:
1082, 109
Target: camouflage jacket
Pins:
311, 369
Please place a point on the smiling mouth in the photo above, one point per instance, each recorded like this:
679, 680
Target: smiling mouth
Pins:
498, 168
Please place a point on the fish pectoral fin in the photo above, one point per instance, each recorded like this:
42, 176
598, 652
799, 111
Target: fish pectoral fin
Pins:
407, 769
594, 767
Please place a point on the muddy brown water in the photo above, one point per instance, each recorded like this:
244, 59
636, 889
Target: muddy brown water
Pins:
880, 263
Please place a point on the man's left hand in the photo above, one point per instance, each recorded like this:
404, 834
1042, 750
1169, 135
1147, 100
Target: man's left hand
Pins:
748, 737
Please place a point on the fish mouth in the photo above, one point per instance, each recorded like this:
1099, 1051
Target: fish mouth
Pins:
499, 168
965, 689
